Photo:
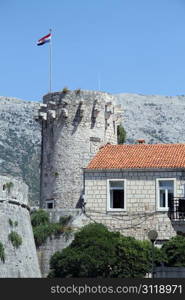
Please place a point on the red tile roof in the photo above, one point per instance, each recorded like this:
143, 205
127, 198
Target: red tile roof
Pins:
139, 156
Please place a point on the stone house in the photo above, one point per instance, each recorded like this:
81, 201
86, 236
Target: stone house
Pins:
136, 188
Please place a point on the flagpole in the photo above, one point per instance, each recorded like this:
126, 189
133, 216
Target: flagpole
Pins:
50, 62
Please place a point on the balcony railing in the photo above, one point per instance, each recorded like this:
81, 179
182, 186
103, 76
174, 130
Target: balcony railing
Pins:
177, 209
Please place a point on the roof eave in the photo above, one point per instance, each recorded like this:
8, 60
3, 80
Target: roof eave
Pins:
135, 169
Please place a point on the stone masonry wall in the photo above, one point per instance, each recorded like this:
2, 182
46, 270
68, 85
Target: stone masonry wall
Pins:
141, 214
14, 216
74, 126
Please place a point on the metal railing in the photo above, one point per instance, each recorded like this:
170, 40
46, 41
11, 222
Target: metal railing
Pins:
177, 209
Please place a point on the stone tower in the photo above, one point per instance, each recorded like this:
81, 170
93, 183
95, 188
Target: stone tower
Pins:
75, 124
20, 261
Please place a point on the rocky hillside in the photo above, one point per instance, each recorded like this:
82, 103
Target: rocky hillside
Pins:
157, 119
20, 142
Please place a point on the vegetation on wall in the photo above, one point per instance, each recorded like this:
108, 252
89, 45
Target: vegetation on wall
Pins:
97, 252
121, 133
2, 252
39, 217
13, 224
64, 220
43, 228
10, 222
8, 186
15, 239
65, 90
78, 91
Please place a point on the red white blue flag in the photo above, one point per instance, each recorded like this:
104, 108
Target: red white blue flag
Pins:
44, 39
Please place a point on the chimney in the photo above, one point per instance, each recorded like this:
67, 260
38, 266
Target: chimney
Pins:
140, 141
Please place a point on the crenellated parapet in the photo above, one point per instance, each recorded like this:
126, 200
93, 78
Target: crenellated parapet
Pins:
85, 106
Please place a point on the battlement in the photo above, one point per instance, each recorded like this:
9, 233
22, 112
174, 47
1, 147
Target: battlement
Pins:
85, 106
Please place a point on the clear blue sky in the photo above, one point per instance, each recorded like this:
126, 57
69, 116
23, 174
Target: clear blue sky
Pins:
126, 46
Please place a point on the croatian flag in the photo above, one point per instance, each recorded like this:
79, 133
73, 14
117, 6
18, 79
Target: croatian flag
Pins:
44, 39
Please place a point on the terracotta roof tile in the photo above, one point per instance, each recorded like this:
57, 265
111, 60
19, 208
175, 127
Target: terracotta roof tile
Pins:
139, 156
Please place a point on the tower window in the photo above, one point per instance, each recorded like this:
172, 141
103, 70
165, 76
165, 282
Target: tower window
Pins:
50, 204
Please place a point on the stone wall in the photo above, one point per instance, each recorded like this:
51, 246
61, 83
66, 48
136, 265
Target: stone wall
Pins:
141, 214
14, 216
169, 272
74, 126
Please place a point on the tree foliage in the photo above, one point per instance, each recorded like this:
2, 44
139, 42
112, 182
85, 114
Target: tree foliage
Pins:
97, 252
174, 251
121, 133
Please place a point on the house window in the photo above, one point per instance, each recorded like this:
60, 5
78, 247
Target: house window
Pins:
165, 193
116, 195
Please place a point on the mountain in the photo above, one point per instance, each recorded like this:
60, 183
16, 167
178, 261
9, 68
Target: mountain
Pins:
157, 119
20, 141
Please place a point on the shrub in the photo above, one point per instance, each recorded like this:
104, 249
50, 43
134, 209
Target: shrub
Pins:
97, 252
10, 222
8, 186
13, 224
78, 91
65, 90
174, 251
15, 239
39, 217
121, 133
43, 228
2, 252
43, 231
64, 220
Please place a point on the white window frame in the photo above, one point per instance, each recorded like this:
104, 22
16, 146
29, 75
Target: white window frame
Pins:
158, 208
108, 195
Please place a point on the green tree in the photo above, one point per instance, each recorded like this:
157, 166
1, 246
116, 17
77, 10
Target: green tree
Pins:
98, 252
121, 134
174, 251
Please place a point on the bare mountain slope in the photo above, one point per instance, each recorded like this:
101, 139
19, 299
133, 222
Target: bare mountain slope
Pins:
20, 142
157, 119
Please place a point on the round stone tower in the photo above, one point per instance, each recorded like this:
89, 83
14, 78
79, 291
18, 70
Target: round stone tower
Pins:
75, 124
18, 257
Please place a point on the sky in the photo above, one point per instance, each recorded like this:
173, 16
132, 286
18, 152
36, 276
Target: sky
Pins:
116, 46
